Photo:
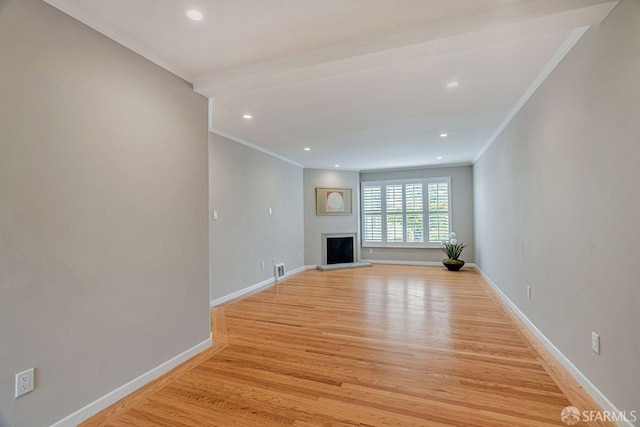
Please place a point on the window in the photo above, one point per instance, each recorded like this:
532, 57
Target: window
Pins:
406, 213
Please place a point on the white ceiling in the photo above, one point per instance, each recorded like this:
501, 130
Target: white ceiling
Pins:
360, 82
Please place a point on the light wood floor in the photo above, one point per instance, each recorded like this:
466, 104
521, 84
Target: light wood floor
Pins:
381, 346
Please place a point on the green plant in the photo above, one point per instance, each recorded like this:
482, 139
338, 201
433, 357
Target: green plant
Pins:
452, 248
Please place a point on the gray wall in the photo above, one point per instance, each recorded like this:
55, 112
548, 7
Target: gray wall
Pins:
461, 209
557, 202
244, 184
103, 214
315, 225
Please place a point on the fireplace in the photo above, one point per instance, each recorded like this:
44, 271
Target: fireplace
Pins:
339, 248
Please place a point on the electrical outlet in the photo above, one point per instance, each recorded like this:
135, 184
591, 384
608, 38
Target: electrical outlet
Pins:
274, 261
24, 382
298, 255
370, 251
262, 264
595, 343
529, 292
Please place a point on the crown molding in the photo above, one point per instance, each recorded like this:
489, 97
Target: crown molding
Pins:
254, 146
551, 65
118, 37
410, 168
332, 169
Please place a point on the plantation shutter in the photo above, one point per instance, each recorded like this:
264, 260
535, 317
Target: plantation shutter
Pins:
412, 213
372, 209
439, 227
395, 213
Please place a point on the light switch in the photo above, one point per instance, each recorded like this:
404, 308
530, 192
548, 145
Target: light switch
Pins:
215, 215
595, 343
270, 211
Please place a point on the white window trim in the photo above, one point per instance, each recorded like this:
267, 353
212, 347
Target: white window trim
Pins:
425, 212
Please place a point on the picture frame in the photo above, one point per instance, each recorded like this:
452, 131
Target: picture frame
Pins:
333, 201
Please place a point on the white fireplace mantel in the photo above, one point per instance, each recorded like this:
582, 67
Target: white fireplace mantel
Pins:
356, 247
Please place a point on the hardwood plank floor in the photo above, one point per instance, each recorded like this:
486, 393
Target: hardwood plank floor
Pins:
381, 346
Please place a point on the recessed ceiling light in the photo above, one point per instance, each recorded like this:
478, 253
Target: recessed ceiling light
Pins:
195, 15
443, 135
247, 116
307, 149
452, 84
336, 166
439, 158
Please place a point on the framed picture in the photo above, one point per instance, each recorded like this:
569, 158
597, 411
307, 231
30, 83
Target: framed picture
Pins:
333, 201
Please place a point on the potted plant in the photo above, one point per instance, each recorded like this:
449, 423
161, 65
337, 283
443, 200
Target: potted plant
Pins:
453, 249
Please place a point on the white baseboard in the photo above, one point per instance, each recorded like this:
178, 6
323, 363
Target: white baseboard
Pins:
294, 271
241, 292
112, 397
397, 262
252, 288
587, 385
